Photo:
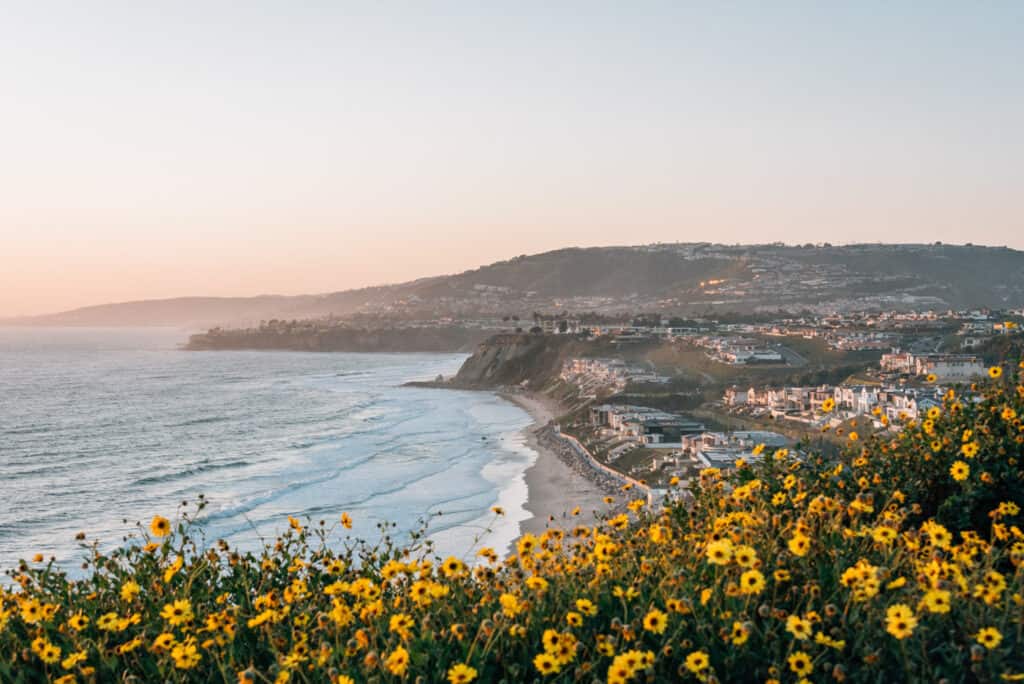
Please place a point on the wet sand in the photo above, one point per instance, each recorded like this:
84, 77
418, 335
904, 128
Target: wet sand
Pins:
554, 488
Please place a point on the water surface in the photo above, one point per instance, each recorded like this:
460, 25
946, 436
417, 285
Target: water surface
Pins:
102, 425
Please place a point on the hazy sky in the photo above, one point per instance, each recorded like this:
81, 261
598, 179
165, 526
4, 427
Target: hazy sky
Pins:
162, 149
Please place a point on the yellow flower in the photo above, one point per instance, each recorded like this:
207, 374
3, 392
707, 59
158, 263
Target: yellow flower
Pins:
47, 652
31, 611
453, 567
800, 663
346, 521
799, 545
177, 613
854, 436
900, 621
546, 664
537, 583
719, 552
527, 543
739, 634
824, 640
186, 655
655, 621
586, 606
883, 535
160, 526
752, 582
745, 556
129, 590
78, 621
995, 372
697, 662
173, 568
551, 640
461, 674
397, 662
163, 642
799, 627
828, 405
989, 637
936, 601
1007, 508
400, 624
658, 534
959, 470
129, 646
107, 622
72, 660
510, 605
573, 619
619, 522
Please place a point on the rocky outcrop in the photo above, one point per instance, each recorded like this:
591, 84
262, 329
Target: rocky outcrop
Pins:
515, 359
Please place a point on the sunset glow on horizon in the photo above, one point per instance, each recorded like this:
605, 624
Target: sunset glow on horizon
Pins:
274, 149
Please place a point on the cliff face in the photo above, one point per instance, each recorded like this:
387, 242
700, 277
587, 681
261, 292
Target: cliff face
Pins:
515, 359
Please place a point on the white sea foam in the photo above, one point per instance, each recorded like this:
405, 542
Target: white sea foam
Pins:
499, 532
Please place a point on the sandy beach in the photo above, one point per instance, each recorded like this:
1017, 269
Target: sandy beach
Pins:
554, 488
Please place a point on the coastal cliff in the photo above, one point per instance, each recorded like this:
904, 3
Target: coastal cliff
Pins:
515, 359
306, 337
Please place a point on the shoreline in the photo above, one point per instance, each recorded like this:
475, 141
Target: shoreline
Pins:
554, 488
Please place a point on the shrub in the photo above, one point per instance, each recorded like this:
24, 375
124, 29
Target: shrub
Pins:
902, 560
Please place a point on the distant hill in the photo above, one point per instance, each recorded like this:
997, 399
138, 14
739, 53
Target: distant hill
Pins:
666, 277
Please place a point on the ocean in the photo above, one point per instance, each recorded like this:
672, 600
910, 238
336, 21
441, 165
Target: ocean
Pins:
100, 428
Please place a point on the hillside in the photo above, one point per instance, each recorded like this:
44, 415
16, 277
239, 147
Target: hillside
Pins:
695, 277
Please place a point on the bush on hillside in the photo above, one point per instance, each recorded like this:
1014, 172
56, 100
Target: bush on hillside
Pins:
900, 561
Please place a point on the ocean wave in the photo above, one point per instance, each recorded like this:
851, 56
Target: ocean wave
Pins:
200, 421
437, 507
29, 430
205, 467
255, 502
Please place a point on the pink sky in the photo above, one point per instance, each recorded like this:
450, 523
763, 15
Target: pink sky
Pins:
203, 151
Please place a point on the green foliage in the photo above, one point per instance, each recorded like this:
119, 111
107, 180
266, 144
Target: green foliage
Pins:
890, 563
